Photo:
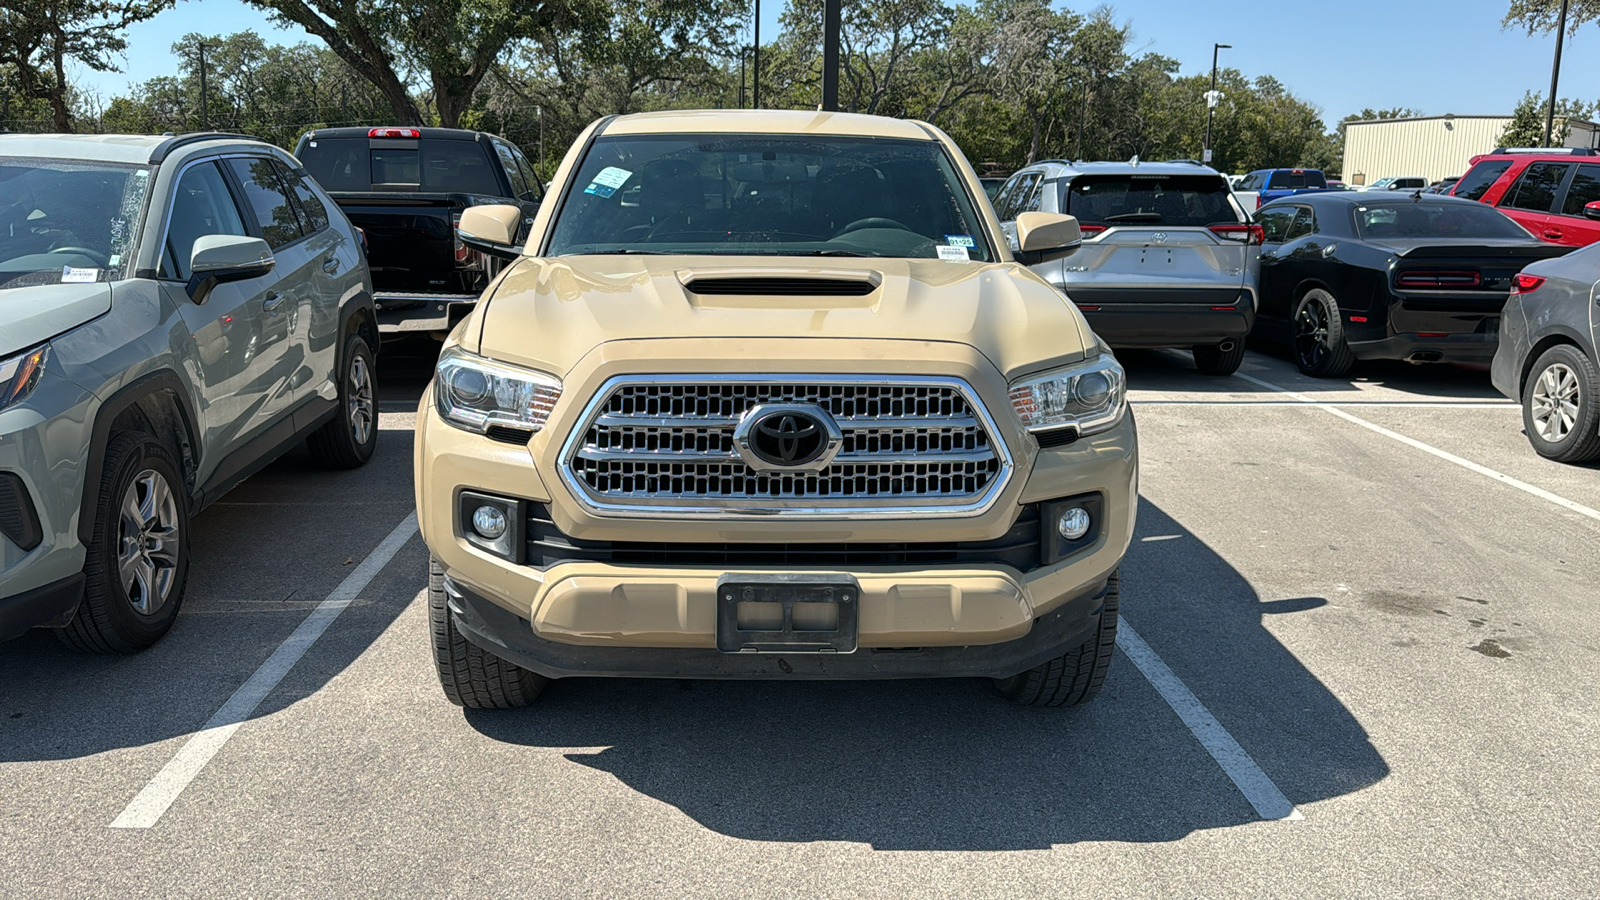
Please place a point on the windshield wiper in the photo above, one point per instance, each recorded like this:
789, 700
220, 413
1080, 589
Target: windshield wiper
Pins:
836, 253
1135, 217
623, 252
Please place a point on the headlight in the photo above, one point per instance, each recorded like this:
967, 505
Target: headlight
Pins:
19, 375
474, 393
1091, 397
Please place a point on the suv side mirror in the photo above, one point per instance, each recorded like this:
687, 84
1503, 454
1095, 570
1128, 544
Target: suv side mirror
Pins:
491, 229
1041, 234
219, 258
1592, 210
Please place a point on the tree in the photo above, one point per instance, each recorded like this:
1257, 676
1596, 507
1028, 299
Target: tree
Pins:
453, 44
1542, 16
39, 37
1526, 128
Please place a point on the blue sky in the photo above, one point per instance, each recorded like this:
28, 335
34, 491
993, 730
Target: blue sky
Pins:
1440, 56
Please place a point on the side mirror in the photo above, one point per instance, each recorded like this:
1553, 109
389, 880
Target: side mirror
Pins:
220, 258
1592, 210
491, 229
1041, 235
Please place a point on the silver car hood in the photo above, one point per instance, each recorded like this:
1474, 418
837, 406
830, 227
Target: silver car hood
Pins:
29, 316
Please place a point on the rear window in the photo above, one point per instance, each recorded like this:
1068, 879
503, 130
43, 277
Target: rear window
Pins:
1480, 178
1427, 220
388, 164
1294, 181
1198, 200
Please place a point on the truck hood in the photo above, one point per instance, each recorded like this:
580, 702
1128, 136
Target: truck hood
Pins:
32, 315
548, 313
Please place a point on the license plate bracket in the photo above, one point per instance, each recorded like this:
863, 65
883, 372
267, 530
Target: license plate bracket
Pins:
798, 613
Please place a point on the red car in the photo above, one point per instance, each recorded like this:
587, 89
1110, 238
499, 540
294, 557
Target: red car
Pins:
1554, 194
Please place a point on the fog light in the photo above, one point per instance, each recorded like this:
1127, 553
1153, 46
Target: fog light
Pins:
1074, 523
490, 522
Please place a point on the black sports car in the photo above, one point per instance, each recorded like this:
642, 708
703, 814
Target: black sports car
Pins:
1388, 275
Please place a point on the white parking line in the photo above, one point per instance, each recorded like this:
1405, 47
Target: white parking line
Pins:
1269, 802
1483, 470
1363, 404
147, 807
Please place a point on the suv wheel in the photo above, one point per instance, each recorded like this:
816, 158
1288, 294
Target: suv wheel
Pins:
348, 440
1076, 676
1561, 406
472, 676
1319, 346
137, 562
1213, 360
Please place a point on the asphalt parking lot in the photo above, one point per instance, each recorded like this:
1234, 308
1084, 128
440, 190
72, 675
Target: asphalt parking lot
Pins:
1364, 627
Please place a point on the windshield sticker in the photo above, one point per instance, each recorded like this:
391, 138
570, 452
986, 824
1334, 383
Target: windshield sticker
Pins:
70, 275
606, 183
960, 240
955, 254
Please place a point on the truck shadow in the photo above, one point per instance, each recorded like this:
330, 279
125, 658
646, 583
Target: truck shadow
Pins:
948, 765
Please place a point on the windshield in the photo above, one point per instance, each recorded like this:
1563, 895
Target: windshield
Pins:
1426, 220
63, 221
769, 195
1193, 200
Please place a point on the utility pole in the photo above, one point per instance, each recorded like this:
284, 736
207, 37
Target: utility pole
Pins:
830, 55
541, 142
755, 65
1212, 100
744, 54
1555, 80
205, 112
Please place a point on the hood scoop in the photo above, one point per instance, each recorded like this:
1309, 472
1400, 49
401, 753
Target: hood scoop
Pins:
843, 284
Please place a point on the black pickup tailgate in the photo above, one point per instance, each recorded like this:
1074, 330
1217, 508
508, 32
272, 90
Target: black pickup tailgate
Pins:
411, 240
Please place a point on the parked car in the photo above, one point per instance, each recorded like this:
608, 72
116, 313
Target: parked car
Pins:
1334, 184
177, 312
991, 186
1168, 255
1385, 275
1266, 185
1401, 183
798, 416
1443, 185
1549, 356
406, 189
1556, 196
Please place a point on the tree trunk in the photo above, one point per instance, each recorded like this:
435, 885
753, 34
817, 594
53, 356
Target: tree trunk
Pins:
58, 90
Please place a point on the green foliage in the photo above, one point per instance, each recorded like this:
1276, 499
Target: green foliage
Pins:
1527, 121
1542, 16
38, 38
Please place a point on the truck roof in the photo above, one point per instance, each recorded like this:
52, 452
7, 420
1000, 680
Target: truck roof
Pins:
427, 132
766, 121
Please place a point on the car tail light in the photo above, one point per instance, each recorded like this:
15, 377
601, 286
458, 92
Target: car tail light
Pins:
362, 233
1253, 235
1091, 230
1525, 284
1258, 201
394, 132
1429, 279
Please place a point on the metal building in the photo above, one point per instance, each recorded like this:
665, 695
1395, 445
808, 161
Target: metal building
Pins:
1434, 147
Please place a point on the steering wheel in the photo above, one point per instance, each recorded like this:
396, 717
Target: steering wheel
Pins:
871, 222
81, 251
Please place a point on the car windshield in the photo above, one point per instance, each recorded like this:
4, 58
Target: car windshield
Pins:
769, 195
1426, 220
66, 221
1172, 200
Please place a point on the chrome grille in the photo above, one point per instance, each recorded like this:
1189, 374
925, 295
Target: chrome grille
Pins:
649, 442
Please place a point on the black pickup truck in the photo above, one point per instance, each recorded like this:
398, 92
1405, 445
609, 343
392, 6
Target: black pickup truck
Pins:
405, 189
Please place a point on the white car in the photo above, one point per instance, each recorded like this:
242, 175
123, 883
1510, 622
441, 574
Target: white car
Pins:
1399, 183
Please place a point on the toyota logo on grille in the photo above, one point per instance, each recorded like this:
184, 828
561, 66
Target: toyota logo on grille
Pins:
788, 436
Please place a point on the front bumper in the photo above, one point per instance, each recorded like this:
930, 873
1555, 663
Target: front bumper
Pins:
50, 606
401, 314
509, 637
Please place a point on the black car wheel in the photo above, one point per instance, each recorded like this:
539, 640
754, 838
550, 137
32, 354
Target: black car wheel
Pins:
1319, 345
348, 440
1076, 676
470, 675
1561, 406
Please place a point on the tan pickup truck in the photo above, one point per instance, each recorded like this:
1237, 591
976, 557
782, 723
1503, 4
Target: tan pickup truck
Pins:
764, 395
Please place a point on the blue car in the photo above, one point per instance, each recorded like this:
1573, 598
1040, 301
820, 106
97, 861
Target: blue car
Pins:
1266, 185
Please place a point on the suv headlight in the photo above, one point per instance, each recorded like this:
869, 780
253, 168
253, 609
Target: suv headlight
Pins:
1091, 397
474, 393
19, 375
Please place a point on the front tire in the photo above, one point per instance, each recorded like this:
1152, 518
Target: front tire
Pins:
1213, 360
472, 676
347, 441
136, 565
1320, 349
1076, 676
1561, 406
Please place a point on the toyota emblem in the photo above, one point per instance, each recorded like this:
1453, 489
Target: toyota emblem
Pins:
788, 436
1159, 237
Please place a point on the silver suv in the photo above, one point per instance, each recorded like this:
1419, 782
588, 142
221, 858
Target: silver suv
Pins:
174, 314
1169, 258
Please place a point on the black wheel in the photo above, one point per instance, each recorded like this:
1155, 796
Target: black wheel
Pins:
1213, 360
1319, 345
1076, 676
137, 563
1561, 406
348, 440
472, 676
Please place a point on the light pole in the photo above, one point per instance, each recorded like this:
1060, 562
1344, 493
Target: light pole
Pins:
830, 54
755, 63
1212, 99
1555, 79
